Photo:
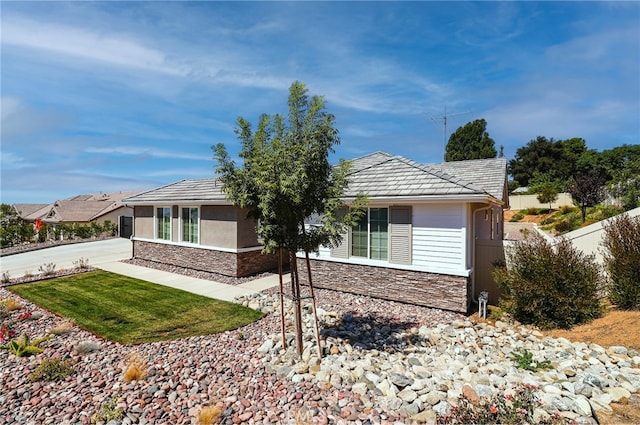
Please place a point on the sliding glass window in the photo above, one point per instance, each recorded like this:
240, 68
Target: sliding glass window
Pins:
370, 238
190, 224
163, 223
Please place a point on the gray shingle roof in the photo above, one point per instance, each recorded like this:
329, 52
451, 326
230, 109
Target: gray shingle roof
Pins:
383, 175
197, 191
490, 174
379, 175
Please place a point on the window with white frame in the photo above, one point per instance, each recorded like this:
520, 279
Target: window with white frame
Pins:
370, 237
163, 223
189, 217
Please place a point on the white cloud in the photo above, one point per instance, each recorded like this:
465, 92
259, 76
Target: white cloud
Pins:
11, 161
85, 44
144, 151
19, 119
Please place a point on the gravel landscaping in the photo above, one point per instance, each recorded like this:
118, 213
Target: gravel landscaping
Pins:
384, 363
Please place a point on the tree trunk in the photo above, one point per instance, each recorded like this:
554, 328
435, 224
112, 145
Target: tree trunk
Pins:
284, 336
295, 293
315, 311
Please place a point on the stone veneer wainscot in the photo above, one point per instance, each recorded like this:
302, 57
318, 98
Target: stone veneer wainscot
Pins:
422, 288
234, 264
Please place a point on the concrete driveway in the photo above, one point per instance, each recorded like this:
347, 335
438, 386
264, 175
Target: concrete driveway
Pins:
97, 252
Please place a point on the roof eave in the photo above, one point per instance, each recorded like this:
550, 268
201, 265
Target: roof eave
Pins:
425, 199
176, 202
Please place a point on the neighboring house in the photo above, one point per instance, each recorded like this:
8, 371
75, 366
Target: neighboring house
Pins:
191, 224
81, 209
429, 237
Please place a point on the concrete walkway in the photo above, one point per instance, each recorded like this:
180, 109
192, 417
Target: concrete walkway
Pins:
106, 255
207, 288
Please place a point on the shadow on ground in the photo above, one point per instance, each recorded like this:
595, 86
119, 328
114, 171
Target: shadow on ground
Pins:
372, 332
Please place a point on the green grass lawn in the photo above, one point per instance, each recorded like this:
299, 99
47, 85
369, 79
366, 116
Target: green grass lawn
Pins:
127, 310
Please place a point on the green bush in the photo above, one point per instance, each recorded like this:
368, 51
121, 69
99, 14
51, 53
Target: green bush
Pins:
51, 370
549, 286
566, 209
83, 231
532, 211
25, 347
110, 228
548, 220
563, 226
517, 216
96, 229
604, 212
622, 260
524, 360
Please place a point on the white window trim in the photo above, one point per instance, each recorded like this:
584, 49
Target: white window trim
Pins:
155, 222
181, 224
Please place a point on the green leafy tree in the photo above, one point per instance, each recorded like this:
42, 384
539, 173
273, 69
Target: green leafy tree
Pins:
588, 190
625, 184
286, 179
572, 150
13, 229
538, 156
619, 158
557, 158
470, 141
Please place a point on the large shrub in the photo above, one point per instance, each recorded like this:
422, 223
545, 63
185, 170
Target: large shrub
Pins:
622, 260
550, 286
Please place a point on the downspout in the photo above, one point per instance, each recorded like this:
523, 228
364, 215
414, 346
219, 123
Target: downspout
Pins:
133, 230
473, 253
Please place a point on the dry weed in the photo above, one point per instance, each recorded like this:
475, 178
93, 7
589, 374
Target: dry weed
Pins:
303, 416
62, 328
12, 305
136, 368
207, 415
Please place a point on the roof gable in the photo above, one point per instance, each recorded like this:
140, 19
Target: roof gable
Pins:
383, 175
26, 210
490, 174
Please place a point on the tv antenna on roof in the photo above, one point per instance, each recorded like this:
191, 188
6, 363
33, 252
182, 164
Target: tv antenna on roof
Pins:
444, 118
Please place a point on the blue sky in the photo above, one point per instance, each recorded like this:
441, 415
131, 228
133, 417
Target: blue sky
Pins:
111, 96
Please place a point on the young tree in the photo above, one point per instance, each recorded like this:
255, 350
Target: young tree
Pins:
470, 142
546, 187
587, 190
547, 193
286, 178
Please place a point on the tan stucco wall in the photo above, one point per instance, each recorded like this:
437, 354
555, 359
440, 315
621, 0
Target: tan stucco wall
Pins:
218, 226
247, 236
222, 226
114, 215
143, 224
